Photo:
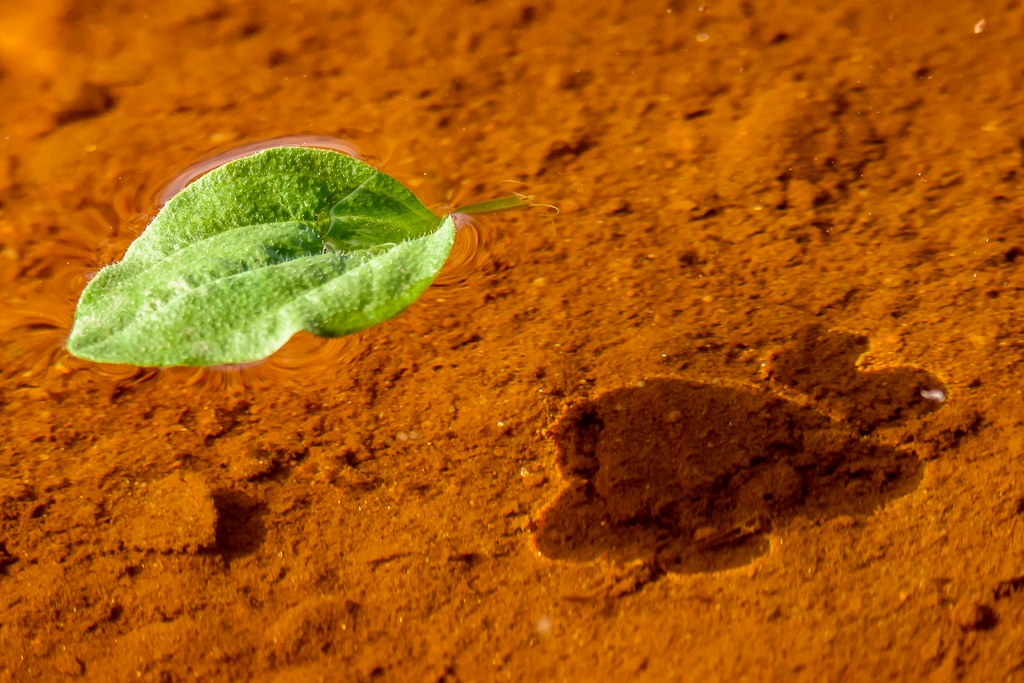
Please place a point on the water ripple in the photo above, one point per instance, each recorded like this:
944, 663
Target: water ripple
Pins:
53, 273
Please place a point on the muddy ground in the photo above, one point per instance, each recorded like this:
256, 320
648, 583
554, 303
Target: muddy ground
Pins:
748, 408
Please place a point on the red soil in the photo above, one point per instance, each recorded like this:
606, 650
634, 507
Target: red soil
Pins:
676, 433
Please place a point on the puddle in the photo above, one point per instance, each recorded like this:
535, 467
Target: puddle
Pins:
800, 225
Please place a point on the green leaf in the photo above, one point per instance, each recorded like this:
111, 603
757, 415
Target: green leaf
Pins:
287, 239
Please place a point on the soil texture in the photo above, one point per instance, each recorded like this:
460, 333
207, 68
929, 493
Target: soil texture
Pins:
749, 407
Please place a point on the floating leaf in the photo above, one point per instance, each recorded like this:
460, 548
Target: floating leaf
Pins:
287, 239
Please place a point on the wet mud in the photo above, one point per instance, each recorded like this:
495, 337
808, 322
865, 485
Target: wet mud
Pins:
747, 408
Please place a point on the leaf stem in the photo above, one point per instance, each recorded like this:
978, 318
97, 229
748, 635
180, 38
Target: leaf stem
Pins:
517, 201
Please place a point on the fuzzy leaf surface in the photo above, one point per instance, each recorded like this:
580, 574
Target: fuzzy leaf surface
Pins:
284, 240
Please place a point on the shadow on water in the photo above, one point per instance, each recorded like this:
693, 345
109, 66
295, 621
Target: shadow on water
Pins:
693, 476
240, 526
